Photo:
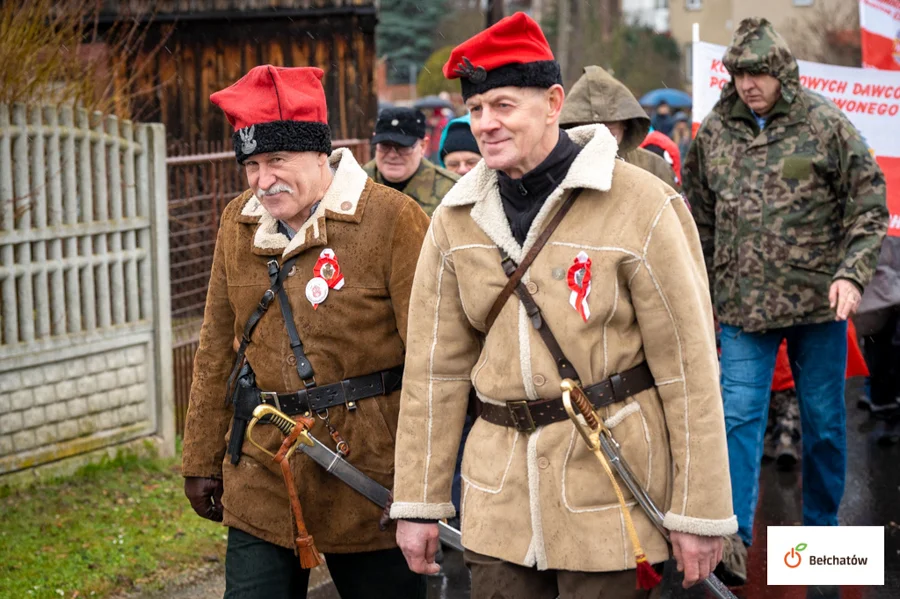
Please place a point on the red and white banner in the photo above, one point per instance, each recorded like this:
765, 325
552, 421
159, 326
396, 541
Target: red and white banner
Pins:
879, 23
870, 98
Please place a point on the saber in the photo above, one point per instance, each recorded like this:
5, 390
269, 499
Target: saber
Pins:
336, 465
599, 439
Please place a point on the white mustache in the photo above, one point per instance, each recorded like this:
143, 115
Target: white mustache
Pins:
277, 188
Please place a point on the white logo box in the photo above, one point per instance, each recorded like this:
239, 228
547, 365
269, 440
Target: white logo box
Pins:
825, 555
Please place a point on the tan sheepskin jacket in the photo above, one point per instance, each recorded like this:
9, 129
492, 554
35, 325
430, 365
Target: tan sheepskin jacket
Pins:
542, 499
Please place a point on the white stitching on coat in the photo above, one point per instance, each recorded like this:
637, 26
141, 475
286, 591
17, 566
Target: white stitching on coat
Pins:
611, 422
484, 489
525, 353
536, 549
434, 338
687, 430
472, 246
595, 248
665, 204
606, 324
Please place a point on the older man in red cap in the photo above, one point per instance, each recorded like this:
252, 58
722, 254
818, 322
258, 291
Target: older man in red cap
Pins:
337, 253
615, 299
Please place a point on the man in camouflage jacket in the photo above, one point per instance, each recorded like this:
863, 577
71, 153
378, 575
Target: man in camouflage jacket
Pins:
790, 206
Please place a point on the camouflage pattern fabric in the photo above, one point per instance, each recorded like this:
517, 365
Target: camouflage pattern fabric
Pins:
784, 211
427, 187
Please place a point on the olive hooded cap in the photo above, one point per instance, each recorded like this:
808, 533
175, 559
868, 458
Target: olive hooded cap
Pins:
598, 97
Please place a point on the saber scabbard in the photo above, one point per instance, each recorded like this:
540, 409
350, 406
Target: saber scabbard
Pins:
295, 433
603, 445
336, 465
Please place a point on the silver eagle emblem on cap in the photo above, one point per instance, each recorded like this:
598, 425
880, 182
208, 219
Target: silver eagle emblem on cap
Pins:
471, 72
248, 144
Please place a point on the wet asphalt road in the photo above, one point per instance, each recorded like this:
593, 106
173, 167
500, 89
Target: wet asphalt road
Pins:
872, 498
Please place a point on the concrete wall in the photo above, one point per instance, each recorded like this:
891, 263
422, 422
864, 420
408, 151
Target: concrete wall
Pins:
62, 408
85, 326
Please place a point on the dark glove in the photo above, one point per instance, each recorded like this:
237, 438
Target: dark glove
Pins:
205, 495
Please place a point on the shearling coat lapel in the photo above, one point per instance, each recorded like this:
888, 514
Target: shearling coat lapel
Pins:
592, 169
344, 201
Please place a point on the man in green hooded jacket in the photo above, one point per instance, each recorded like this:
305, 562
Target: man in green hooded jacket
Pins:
790, 206
597, 97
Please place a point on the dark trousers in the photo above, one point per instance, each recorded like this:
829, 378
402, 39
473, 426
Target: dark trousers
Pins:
882, 351
256, 569
495, 579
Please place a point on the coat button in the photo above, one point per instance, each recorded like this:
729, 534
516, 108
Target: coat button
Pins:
292, 360
538, 380
346, 205
532, 287
543, 463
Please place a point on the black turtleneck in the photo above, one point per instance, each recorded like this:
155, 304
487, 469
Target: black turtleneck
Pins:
523, 198
400, 185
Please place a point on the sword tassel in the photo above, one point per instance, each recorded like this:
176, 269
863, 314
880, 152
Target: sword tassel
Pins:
647, 578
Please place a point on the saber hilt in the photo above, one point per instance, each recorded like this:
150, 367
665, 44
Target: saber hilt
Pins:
270, 415
601, 442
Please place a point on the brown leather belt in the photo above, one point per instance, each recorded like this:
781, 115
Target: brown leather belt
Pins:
525, 416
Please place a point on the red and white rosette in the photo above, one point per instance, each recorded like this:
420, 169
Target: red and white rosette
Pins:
327, 268
579, 279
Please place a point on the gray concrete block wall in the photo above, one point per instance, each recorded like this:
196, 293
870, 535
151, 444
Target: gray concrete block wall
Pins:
47, 406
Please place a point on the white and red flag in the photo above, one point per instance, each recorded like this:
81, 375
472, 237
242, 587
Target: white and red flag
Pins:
879, 23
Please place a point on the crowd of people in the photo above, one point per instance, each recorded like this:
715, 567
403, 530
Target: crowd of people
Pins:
435, 315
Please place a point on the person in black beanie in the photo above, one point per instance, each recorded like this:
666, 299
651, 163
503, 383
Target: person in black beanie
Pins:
459, 151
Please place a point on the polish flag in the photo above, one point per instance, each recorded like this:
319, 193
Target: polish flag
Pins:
879, 22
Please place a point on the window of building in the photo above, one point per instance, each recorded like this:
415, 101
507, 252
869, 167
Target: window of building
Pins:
693, 4
662, 4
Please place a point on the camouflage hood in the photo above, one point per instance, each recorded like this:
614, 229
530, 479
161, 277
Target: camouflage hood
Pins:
597, 97
758, 48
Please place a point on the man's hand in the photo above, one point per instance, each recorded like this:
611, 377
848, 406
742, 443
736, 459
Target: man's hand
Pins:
846, 297
696, 556
205, 495
419, 543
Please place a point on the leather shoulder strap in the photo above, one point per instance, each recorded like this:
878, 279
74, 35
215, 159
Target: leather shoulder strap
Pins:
516, 276
277, 283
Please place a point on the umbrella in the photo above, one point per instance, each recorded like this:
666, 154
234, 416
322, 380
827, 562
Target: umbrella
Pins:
431, 102
673, 97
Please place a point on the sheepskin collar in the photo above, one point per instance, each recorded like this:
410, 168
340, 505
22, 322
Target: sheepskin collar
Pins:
344, 201
592, 169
